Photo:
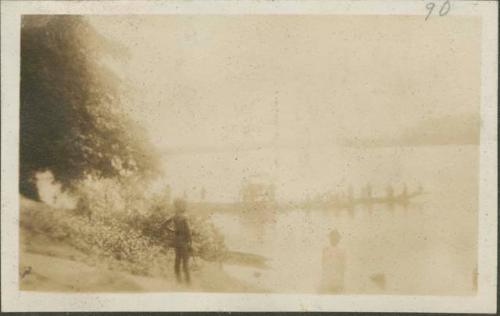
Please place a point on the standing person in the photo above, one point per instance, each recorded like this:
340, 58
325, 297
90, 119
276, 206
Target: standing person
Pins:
333, 265
350, 194
368, 191
182, 240
389, 192
83, 208
404, 193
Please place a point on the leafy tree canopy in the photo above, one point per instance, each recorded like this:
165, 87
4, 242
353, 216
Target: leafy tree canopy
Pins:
72, 119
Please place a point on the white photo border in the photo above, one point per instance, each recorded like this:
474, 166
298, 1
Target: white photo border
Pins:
15, 300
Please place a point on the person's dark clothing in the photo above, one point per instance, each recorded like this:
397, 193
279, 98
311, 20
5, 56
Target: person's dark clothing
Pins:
182, 258
182, 245
182, 233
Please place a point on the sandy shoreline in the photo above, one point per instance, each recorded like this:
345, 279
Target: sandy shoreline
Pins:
53, 266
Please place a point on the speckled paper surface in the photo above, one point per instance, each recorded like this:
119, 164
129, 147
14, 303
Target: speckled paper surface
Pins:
249, 156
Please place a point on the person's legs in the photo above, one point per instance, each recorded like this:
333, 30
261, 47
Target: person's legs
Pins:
185, 265
178, 254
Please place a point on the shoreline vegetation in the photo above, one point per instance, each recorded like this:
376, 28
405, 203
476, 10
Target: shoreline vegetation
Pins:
104, 183
79, 138
51, 261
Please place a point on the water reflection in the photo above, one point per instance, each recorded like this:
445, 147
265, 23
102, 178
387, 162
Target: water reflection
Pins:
428, 246
388, 248
257, 224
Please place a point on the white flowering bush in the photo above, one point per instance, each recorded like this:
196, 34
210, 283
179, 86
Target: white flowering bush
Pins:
122, 226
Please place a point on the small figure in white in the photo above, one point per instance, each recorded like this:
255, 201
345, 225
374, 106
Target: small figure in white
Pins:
333, 265
404, 193
389, 193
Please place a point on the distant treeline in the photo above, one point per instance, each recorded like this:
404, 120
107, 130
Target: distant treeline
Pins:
453, 129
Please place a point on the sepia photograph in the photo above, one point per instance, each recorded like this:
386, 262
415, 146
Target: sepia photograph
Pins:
324, 154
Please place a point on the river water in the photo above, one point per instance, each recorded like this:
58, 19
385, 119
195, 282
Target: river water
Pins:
428, 247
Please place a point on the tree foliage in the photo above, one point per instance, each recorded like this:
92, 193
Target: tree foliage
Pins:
72, 119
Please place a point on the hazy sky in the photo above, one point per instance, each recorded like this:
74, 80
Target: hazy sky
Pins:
234, 80
291, 81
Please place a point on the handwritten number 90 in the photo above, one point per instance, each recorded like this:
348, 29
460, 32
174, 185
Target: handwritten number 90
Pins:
445, 8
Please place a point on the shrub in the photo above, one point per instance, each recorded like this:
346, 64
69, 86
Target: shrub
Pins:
122, 229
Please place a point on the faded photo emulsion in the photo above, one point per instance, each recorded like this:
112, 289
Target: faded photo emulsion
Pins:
320, 154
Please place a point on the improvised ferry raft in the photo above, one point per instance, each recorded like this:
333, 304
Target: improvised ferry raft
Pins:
366, 198
259, 196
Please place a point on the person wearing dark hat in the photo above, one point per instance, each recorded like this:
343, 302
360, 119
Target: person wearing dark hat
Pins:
182, 240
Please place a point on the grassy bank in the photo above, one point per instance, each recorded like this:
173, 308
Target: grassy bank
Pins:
64, 251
